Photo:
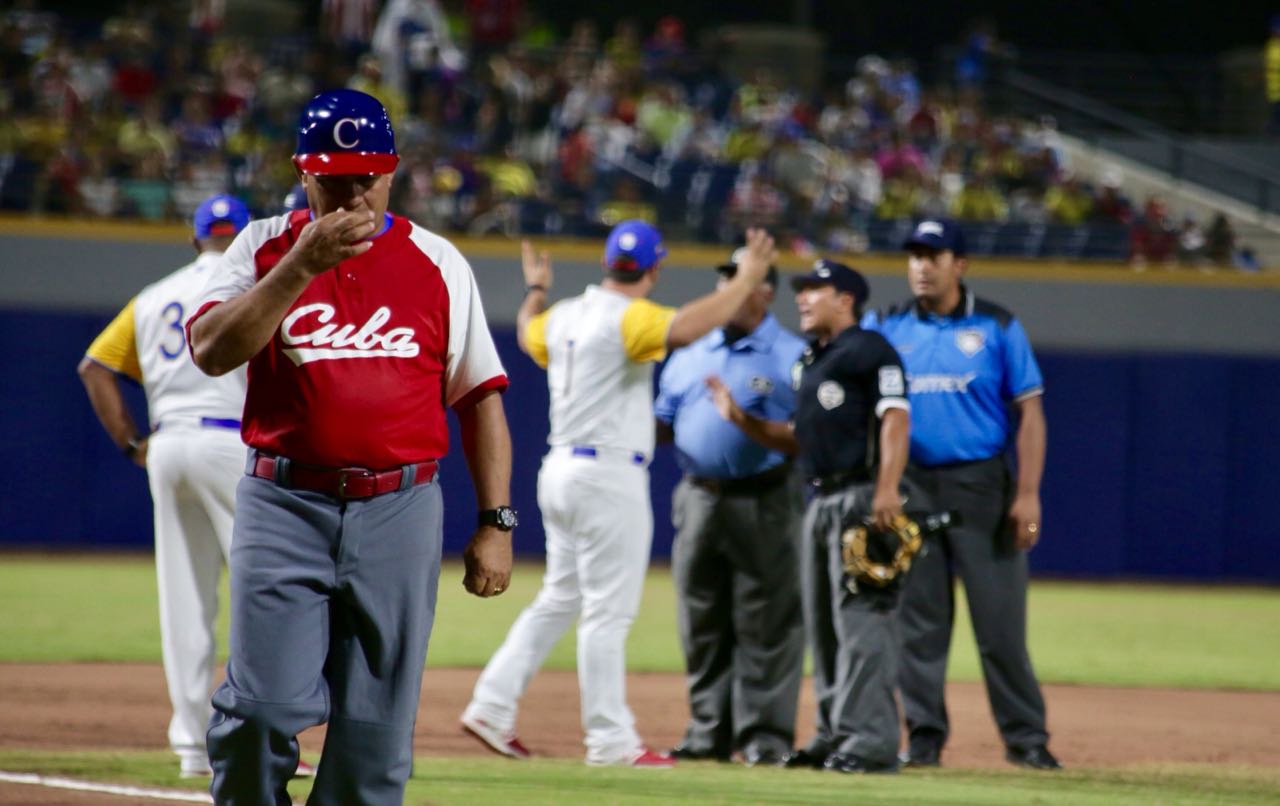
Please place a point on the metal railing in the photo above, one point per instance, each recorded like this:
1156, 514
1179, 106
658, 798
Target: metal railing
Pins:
1251, 182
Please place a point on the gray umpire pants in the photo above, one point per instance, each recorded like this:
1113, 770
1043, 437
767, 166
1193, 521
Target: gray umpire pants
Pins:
332, 604
853, 638
734, 561
981, 551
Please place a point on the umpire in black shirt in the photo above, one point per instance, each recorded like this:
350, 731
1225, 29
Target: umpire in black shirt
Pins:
847, 382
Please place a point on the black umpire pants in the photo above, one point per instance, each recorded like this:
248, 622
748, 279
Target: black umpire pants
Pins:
734, 562
981, 551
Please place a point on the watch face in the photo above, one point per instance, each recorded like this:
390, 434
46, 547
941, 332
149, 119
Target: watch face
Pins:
507, 518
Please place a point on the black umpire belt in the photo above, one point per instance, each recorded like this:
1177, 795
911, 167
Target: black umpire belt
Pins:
747, 485
825, 485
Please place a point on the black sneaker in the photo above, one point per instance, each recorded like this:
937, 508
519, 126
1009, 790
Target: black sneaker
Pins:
813, 757
1034, 758
684, 752
849, 763
922, 752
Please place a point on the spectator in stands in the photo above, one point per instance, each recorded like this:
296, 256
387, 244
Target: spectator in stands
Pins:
754, 202
146, 134
1191, 243
1112, 206
369, 79
1220, 242
1152, 238
97, 192
666, 52
1068, 202
1271, 61
145, 194
493, 26
627, 202
980, 200
624, 48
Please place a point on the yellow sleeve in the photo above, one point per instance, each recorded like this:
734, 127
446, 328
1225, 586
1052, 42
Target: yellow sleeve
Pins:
116, 346
535, 338
644, 330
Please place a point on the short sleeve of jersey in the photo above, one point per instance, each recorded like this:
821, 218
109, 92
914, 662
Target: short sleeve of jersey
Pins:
890, 379
669, 397
473, 363
238, 272
1022, 377
535, 338
644, 330
116, 347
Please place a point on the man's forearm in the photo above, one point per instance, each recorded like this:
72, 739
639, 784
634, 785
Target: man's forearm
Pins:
535, 302
773, 434
231, 333
699, 317
108, 404
486, 442
1031, 441
895, 446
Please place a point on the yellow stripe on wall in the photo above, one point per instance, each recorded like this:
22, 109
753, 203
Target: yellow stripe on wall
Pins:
697, 256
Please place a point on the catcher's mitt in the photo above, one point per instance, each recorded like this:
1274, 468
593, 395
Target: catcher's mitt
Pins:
880, 558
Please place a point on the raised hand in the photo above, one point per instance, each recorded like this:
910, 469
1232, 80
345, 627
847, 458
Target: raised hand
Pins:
334, 237
535, 265
759, 254
723, 399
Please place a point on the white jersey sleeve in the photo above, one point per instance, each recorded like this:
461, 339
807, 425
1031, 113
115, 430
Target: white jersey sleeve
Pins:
473, 365
240, 272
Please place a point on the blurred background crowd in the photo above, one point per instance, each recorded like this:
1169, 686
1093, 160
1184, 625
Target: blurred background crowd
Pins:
507, 125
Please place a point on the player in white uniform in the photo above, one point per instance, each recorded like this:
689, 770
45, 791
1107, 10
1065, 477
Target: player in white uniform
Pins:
194, 458
599, 349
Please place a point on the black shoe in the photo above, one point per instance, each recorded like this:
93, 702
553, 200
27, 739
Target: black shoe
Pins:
922, 753
812, 757
756, 756
684, 752
1035, 758
849, 763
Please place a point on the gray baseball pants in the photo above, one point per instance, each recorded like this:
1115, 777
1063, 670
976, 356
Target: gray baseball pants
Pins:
332, 604
735, 561
853, 638
981, 551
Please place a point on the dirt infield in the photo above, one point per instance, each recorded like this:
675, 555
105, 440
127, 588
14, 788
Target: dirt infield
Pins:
119, 706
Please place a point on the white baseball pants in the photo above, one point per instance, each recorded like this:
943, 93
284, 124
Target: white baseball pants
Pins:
599, 527
193, 473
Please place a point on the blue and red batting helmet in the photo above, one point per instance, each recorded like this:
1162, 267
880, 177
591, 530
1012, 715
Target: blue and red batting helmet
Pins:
220, 215
345, 132
633, 245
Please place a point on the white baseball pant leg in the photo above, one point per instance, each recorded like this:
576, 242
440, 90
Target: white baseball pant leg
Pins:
599, 526
193, 474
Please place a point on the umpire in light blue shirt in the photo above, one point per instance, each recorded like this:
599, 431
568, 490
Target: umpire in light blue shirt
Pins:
736, 513
975, 389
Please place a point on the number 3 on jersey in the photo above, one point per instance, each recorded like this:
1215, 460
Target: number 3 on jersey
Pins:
172, 315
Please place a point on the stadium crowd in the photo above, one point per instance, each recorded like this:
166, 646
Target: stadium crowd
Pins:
505, 127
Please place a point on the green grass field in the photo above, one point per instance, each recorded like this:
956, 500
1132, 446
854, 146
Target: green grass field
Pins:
103, 609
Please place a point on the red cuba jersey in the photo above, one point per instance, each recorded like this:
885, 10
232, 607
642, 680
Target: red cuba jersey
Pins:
360, 370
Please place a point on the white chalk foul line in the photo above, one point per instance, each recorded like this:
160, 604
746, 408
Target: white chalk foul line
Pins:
184, 795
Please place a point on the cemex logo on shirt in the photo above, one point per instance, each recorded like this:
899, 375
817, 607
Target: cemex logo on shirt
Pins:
304, 342
924, 384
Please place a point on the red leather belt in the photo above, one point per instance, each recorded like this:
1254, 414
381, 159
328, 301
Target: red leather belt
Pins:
345, 482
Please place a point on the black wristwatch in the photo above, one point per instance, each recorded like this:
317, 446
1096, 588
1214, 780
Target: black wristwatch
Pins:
503, 518
132, 447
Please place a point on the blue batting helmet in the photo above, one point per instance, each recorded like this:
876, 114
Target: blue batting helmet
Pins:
345, 132
633, 245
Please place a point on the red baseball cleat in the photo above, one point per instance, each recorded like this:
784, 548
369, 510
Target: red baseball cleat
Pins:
505, 744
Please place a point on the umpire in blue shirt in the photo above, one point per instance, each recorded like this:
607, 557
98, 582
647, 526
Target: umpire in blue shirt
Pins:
974, 387
736, 513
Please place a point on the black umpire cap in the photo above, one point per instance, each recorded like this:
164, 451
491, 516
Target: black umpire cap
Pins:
730, 268
837, 275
